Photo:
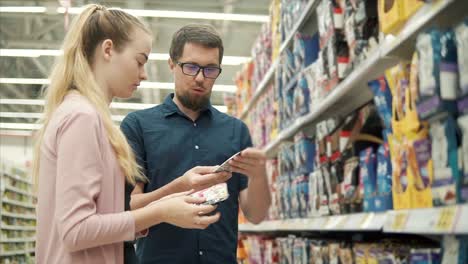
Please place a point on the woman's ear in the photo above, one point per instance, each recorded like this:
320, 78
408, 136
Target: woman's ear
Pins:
107, 49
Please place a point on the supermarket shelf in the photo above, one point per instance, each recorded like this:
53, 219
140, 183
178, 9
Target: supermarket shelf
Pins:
16, 177
262, 86
308, 10
16, 252
349, 94
17, 190
18, 240
21, 216
25, 205
429, 15
18, 228
441, 220
353, 91
352, 222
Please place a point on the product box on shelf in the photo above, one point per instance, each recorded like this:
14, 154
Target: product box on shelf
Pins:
368, 175
461, 35
445, 161
305, 153
438, 73
391, 15
463, 182
410, 7
383, 200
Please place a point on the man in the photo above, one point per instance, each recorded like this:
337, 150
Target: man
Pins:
186, 132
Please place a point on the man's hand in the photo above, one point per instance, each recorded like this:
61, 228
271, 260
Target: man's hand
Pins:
202, 177
251, 163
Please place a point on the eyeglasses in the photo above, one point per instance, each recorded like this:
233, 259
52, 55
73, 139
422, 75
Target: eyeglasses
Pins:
192, 69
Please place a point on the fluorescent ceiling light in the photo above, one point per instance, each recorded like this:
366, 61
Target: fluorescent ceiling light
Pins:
39, 115
20, 133
22, 9
115, 105
147, 13
143, 85
25, 126
183, 14
34, 53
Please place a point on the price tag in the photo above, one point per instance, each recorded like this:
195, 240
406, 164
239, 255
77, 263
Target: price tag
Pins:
399, 221
445, 220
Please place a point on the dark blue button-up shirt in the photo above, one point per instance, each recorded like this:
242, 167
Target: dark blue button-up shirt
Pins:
167, 144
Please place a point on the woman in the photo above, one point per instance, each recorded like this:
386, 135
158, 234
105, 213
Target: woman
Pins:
82, 160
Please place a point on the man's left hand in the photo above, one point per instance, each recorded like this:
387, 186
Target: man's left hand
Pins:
251, 162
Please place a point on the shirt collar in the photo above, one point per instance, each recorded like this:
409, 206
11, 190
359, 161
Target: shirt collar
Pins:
170, 108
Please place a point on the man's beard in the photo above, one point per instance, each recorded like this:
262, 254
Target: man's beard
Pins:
194, 103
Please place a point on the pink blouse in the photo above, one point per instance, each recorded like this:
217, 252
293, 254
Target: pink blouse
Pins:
80, 209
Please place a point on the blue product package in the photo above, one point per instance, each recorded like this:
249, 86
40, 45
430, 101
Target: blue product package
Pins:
301, 97
384, 169
383, 100
306, 50
436, 52
303, 195
420, 256
294, 197
304, 154
368, 171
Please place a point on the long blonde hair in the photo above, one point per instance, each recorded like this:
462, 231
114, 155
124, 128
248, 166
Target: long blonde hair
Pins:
72, 71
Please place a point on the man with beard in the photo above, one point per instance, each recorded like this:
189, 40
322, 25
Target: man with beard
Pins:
178, 144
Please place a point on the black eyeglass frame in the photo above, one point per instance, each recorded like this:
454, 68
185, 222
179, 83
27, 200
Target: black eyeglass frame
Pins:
202, 68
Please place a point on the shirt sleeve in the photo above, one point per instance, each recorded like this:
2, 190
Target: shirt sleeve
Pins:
132, 130
79, 176
246, 142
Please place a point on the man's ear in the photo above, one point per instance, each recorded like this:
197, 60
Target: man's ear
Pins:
171, 64
107, 49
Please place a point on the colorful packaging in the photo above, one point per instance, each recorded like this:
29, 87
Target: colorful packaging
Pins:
463, 182
368, 177
445, 161
383, 200
301, 97
437, 72
461, 33
382, 100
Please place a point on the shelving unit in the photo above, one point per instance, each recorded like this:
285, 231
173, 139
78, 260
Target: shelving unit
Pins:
389, 53
443, 220
18, 220
350, 94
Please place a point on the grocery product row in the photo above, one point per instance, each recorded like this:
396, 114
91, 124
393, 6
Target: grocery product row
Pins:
18, 219
269, 249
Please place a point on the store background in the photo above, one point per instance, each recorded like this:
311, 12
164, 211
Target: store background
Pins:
294, 105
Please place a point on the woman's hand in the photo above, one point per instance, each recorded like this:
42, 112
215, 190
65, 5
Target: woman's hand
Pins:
184, 211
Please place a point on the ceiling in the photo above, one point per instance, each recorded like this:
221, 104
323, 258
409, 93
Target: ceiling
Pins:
46, 31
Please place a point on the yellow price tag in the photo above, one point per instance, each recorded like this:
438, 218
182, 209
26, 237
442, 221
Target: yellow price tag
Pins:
399, 221
342, 222
446, 217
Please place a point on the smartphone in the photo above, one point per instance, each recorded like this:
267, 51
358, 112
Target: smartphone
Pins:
225, 166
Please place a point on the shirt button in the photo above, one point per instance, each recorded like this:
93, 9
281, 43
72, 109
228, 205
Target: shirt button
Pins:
194, 124
197, 147
200, 252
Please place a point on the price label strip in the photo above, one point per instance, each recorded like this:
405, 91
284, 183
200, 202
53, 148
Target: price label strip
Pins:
446, 219
399, 221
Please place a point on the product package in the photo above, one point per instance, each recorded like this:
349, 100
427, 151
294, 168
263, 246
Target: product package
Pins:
461, 35
305, 152
437, 73
383, 200
367, 165
382, 100
445, 161
463, 182
214, 194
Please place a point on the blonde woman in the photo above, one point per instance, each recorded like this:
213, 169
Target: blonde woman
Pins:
82, 160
